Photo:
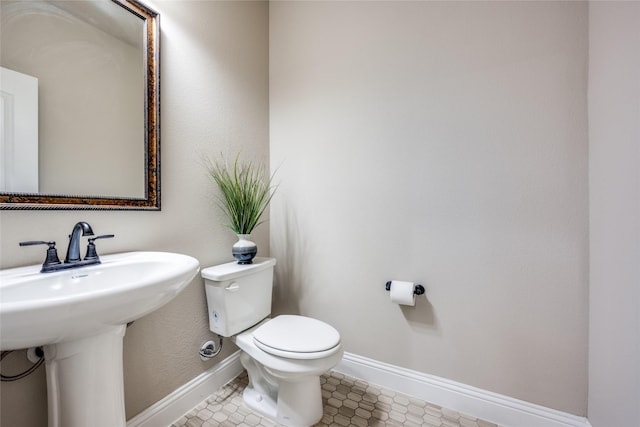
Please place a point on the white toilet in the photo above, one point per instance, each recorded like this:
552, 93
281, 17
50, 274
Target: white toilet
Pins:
283, 356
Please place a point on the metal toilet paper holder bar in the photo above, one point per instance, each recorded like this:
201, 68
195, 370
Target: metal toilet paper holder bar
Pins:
417, 289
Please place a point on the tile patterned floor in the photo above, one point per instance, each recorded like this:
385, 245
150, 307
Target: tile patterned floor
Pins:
348, 402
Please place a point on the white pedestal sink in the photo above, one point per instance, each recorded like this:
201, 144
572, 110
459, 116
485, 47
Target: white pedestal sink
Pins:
79, 316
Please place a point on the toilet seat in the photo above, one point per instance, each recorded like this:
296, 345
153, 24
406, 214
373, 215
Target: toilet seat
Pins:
297, 337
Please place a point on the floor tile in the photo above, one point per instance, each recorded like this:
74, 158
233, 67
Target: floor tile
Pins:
348, 402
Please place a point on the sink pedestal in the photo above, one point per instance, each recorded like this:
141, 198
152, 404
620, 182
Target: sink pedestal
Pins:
85, 381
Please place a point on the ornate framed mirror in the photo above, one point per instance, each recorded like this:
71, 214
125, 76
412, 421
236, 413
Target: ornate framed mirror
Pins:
94, 67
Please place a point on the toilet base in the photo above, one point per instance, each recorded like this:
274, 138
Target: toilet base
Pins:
295, 402
260, 403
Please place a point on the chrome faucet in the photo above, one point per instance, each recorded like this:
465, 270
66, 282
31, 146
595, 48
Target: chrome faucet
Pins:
73, 251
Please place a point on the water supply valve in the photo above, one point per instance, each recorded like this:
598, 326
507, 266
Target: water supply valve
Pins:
209, 350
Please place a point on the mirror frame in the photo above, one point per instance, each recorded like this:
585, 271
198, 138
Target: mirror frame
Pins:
151, 200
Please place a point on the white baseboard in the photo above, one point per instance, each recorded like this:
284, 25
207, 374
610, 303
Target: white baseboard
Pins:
182, 400
502, 410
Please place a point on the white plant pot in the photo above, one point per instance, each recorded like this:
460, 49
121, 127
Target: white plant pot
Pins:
244, 250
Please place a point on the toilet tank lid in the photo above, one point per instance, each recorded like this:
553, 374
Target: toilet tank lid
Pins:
232, 270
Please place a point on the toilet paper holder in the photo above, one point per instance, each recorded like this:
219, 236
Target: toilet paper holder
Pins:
417, 289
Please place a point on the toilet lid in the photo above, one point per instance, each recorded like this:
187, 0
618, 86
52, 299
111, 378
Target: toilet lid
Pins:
296, 337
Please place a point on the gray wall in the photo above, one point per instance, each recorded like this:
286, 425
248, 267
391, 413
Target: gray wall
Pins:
614, 199
444, 143
214, 86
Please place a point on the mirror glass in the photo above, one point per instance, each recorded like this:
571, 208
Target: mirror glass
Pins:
79, 112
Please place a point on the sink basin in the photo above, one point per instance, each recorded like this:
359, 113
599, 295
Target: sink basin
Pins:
79, 317
47, 308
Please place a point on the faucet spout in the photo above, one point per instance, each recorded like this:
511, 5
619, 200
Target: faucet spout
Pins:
73, 251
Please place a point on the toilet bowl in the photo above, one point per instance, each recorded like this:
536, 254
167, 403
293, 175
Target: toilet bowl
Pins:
285, 386
284, 356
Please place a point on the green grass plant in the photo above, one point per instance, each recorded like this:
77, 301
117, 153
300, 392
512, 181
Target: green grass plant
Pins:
245, 192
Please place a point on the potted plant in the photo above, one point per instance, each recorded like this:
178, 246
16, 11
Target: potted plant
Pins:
245, 192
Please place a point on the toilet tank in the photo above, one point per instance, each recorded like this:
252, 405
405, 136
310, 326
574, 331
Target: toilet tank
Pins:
238, 296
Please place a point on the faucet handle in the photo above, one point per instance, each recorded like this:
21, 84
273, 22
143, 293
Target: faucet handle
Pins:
104, 236
92, 254
36, 242
52, 253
